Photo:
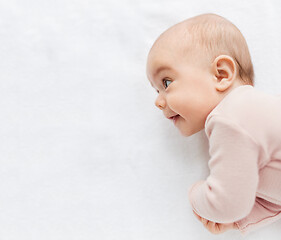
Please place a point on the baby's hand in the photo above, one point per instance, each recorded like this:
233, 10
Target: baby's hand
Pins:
216, 228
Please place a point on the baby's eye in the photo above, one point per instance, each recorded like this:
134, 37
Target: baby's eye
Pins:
166, 82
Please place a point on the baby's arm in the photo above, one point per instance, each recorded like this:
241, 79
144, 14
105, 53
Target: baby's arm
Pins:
228, 194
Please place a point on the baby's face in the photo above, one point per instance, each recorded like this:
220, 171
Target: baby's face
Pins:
186, 89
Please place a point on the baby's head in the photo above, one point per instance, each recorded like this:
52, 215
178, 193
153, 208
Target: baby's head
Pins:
194, 65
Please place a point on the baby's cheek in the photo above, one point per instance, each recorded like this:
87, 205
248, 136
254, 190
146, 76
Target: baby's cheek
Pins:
177, 102
173, 102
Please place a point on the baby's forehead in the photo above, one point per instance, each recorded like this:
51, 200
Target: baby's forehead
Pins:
158, 61
164, 50
164, 57
173, 45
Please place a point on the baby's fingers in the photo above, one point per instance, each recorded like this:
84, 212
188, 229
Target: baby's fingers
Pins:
212, 226
205, 222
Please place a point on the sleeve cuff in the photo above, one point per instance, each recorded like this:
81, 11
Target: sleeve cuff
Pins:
259, 217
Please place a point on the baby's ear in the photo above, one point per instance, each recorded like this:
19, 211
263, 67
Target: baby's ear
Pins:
224, 70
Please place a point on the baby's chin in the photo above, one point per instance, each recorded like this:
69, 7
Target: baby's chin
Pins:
185, 134
189, 132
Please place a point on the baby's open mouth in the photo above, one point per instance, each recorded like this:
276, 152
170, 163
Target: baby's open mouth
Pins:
174, 117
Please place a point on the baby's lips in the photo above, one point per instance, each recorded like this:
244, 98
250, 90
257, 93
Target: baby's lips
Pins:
173, 117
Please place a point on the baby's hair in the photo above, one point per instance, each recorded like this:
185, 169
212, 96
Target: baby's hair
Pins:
218, 36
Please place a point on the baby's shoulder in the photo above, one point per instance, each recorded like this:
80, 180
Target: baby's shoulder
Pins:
246, 100
247, 105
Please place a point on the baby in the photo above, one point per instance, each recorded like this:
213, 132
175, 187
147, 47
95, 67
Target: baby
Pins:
202, 71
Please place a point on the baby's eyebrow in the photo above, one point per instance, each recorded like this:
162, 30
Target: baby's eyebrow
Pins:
160, 69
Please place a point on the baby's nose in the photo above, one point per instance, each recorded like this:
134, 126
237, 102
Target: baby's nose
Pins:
160, 103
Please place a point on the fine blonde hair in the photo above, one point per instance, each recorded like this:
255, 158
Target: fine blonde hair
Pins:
218, 36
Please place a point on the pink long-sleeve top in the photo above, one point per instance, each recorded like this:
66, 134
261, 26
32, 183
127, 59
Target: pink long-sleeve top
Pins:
244, 185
